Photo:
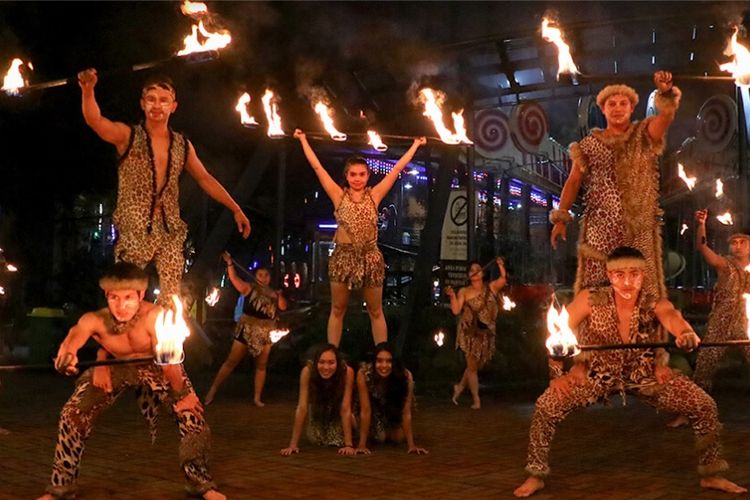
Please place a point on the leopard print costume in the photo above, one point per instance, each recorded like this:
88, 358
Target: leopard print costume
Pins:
148, 222
473, 338
727, 320
380, 422
622, 203
625, 371
359, 263
88, 402
258, 319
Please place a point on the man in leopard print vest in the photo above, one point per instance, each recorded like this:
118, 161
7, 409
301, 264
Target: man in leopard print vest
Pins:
623, 313
152, 157
125, 329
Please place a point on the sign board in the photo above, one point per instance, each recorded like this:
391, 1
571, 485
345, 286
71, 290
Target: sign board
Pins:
453, 237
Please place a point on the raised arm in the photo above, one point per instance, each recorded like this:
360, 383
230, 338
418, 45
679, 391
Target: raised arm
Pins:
115, 133
67, 355
667, 101
406, 420
457, 301
333, 190
672, 320
714, 260
300, 413
242, 286
499, 283
215, 190
346, 414
560, 217
381, 188
365, 413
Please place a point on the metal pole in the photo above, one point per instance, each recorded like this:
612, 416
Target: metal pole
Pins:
279, 223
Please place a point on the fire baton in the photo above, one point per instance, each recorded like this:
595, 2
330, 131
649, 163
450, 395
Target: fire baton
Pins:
83, 364
561, 352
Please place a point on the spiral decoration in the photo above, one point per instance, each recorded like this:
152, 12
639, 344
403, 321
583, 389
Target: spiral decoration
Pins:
529, 125
589, 115
492, 132
716, 123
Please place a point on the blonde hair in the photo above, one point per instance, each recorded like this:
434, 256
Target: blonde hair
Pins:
619, 89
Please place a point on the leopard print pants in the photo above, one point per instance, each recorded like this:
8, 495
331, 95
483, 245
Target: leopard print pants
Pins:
680, 395
708, 362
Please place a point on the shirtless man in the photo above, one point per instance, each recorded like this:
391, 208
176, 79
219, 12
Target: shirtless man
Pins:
125, 329
151, 159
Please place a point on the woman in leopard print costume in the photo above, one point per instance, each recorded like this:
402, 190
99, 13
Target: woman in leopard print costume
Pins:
356, 263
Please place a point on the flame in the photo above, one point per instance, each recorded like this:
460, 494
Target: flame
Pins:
193, 8
684, 228
171, 332
565, 62
747, 268
746, 296
272, 115
439, 338
719, 188
433, 101
508, 305
740, 66
2, 291
241, 108
211, 41
325, 114
278, 334
14, 80
689, 181
11, 268
561, 341
375, 141
213, 297
725, 218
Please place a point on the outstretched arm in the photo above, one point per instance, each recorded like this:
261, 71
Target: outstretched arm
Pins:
714, 260
115, 133
346, 414
567, 198
332, 189
242, 286
300, 413
672, 320
215, 190
67, 355
406, 420
365, 413
381, 188
667, 101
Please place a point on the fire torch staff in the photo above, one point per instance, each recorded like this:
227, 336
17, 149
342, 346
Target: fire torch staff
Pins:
126, 329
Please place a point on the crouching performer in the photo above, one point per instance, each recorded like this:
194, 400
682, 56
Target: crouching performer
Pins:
125, 329
623, 313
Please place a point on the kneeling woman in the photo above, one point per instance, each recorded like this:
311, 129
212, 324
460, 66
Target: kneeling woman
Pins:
325, 397
386, 396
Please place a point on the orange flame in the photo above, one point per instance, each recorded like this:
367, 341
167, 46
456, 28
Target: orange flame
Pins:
689, 181
719, 188
193, 8
245, 118
11, 268
683, 229
210, 41
439, 338
325, 113
565, 62
508, 305
747, 268
725, 218
14, 80
272, 115
171, 332
432, 101
213, 297
375, 141
740, 67
278, 334
2, 291
561, 341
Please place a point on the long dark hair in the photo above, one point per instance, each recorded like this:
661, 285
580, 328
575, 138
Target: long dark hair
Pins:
395, 386
326, 395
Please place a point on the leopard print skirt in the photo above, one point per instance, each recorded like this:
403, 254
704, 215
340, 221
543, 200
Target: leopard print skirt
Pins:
357, 266
255, 333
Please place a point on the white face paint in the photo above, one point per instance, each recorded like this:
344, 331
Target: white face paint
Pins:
626, 282
123, 304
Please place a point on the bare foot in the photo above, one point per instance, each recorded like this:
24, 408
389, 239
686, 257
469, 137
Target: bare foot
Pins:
259, 403
214, 495
678, 421
721, 484
477, 405
209, 397
456, 393
529, 487
4, 432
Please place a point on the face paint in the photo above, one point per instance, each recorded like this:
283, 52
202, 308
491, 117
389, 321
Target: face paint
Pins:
626, 282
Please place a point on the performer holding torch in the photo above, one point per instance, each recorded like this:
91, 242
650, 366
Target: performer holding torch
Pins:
126, 329
151, 159
626, 312
356, 263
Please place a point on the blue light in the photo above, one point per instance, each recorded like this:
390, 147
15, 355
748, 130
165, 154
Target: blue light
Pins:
328, 226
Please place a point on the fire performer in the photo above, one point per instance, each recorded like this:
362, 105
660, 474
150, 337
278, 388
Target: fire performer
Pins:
125, 329
626, 312
356, 261
151, 159
478, 305
619, 166
727, 320
253, 333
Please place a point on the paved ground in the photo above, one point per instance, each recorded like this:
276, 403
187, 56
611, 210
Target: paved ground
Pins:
612, 453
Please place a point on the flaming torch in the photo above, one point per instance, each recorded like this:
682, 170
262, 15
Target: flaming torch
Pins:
725, 218
432, 101
740, 67
278, 334
508, 305
325, 114
194, 9
375, 141
171, 332
439, 338
272, 115
213, 297
561, 341
565, 62
689, 181
245, 118
14, 80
